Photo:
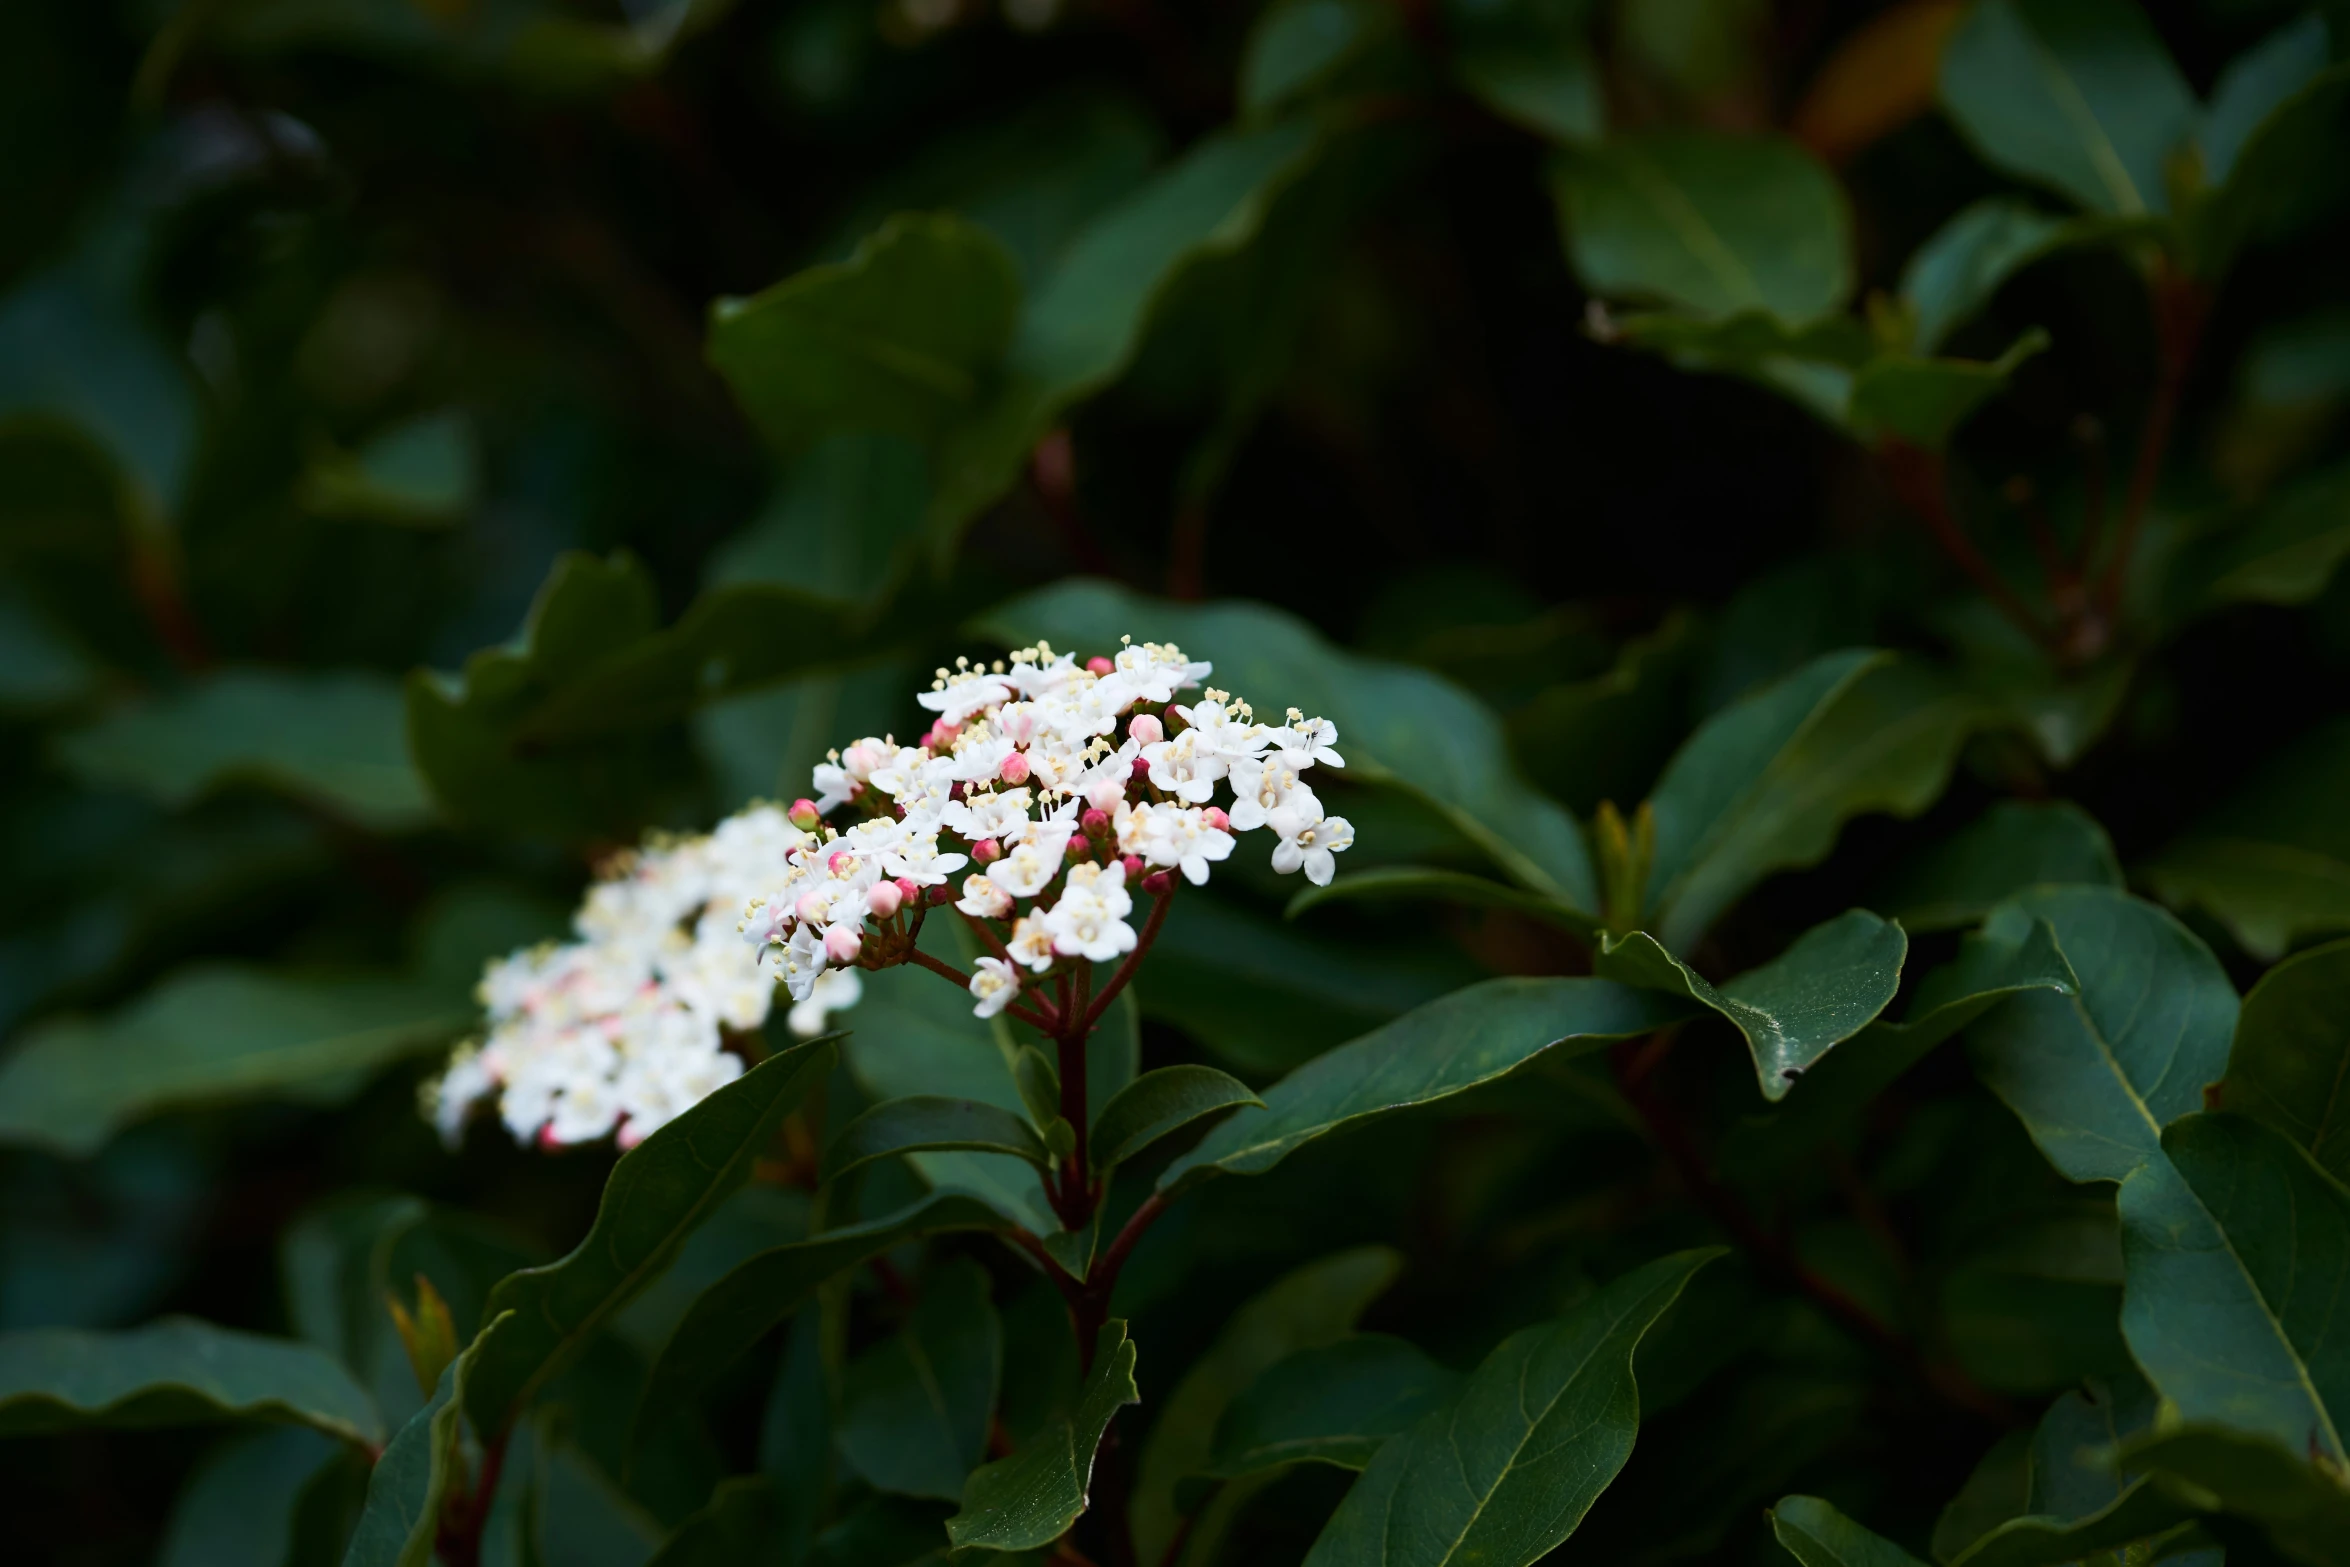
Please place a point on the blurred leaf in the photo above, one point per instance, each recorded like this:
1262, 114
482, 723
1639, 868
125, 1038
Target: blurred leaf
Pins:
402, 1518
845, 522
915, 1409
738, 1526
2273, 861
1880, 77
177, 1371
657, 1194
1297, 46
927, 1121
210, 1036
2304, 1510
1924, 401
2253, 86
755, 1219
580, 1514
1507, 1468
1421, 886
1161, 1102
2285, 553
1306, 1308
2292, 1054
1817, 1535
1396, 724
238, 1508
2267, 189
2014, 846
1471, 1036
422, 473
796, 1451
334, 740
1767, 783
1333, 1403
1949, 279
2096, 1075
40, 667
1607, 737
1825, 988
1530, 61
1711, 224
2078, 95
1031, 1498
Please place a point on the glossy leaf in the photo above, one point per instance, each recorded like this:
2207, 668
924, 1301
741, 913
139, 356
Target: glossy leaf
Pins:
2238, 1257
915, 1408
931, 1121
2014, 846
1395, 724
2304, 1511
1822, 990
2290, 1065
2095, 1076
1707, 223
739, 1309
658, 1193
241, 1504
1531, 62
1817, 1535
211, 1036
2078, 95
402, 1517
178, 1371
1469, 1037
1508, 1467
2267, 192
1161, 1102
2272, 863
1425, 884
1333, 1404
1031, 1498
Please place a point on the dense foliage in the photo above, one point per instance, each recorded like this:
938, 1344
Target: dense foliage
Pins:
1815, 526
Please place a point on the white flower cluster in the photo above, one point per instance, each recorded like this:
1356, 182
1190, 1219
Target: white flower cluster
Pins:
621, 1029
1026, 775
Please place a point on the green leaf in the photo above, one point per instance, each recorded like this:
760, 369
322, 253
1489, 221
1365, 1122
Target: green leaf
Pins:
2304, 1510
845, 522
1031, 1498
424, 473
1471, 1036
1396, 724
1530, 61
1767, 783
902, 337
2237, 1248
1297, 47
241, 1504
1332, 1404
738, 1526
216, 1035
927, 1121
1821, 991
2255, 85
2273, 861
1924, 401
1507, 1468
2286, 552
1161, 1102
2014, 846
1708, 223
915, 1409
1306, 1308
2097, 1074
1424, 884
1817, 1535
658, 1193
402, 1518
738, 1310
175, 1372
2078, 95
1963, 264
2290, 1065
2268, 191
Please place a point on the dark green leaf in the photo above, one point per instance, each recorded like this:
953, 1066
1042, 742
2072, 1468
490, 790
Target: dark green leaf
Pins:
1308, 1307
1955, 273
1161, 1102
845, 522
658, 1193
756, 1218
2014, 846
1423, 884
1469, 1037
915, 1409
2268, 191
1297, 47
1817, 1535
1822, 990
2273, 861
737, 1311
579, 1513
239, 1507
402, 1518
1767, 783
2286, 552
1031, 1498
175, 1372
1924, 401
795, 1431
926, 1121
1334, 1404
2255, 84
1507, 1468
901, 337
2096, 1075
2304, 1510
2290, 1065
1530, 61
424, 473
737, 1527
1709, 223
2078, 95
1395, 724
2238, 1254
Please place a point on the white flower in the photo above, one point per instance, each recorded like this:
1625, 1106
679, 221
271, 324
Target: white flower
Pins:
833, 784
1089, 921
1174, 836
994, 984
802, 959
988, 814
1309, 840
955, 697
1215, 733
466, 1083
917, 860
1184, 768
1155, 671
835, 990
1031, 944
1031, 861
983, 899
1308, 741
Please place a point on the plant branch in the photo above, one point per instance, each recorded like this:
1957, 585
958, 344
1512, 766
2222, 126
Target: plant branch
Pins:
1917, 478
1043, 1023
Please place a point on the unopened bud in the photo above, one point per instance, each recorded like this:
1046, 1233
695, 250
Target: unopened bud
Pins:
841, 944
1133, 864
939, 895
1141, 768
1015, 769
1106, 794
804, 815
547, 1138
812, 905
884, 899
987, 851
1157, 883
628, 1135
908, 888
1095, 821
1214, 816
1099, 665
1146, 728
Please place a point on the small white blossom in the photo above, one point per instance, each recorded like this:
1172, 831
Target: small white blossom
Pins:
1309, 839
994, 986
1031, 943
1089, 921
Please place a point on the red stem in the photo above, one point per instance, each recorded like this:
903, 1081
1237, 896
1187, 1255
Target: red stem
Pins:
1917, 478
1042, 1023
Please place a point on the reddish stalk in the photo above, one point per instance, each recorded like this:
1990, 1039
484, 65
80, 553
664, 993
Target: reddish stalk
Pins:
2180, 308
463, 1517
1043, 1023
1917, 478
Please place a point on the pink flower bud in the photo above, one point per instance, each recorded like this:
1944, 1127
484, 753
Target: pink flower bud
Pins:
1106, 794
840, 862
987, 851
842, 944
1146, 728
812, 905
942, 736
627, 1136
804, 815
1157, 883
1133, 864
1015, 769
908, 888
546, 1138
1095, 821
1141, 768
884, 899
939, 895
1216, 818
1099, 665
